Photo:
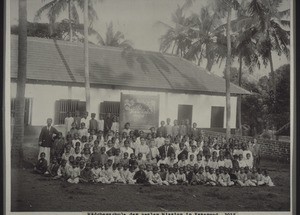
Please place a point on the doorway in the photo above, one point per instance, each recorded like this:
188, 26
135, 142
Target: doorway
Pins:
185, 112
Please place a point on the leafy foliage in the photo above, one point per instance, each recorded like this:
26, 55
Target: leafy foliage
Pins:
262, 109
113, 38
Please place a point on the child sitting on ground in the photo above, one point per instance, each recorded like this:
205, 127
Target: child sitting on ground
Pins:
200, 177
130, 177
86, 175
242, 178
116, 174
74, 174
108, 174
140, 175
211, 178
267, 179
171, 177
155, 178
224, 178
62, 170
41, 165
52, 168
181, 177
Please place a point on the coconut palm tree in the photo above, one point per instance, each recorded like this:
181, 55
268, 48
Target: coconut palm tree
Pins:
113, 38
86, 55
54, 8
177, 37
204, 32
224, 8
18, 136
272, 25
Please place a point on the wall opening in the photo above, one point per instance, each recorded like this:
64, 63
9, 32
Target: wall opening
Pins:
63, 106
185, 112
217, 117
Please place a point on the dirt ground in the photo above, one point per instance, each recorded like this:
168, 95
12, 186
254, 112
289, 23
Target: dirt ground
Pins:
31, 192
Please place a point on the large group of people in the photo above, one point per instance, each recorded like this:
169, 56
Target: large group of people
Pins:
99, 151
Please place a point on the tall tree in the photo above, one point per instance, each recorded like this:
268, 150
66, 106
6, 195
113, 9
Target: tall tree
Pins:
18, 136
272, 25
86, 55
55, 8
224, 8
204, 32
176, 38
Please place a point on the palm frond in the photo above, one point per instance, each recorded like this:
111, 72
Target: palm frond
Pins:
44, 8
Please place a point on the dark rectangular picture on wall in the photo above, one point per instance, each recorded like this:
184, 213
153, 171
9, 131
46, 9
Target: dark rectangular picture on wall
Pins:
141, 111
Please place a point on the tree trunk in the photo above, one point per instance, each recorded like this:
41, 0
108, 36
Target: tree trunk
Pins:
227, 74
86, 56
210, 58
272, 73
18, 135
70, 22
239, 99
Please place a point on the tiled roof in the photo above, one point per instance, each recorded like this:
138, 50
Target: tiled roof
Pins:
61, 61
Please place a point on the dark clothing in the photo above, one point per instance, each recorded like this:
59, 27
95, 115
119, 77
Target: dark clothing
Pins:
46, 136
112, 150
233, 177
188, 129
163, 131
189, 176
166, 150
184, 152
93, 124
99, 158
206, 151
42, 165
86, 175
132, 162
140, 177
107, 124
195, 132
57, 148
53, 168
163, 175
235, 164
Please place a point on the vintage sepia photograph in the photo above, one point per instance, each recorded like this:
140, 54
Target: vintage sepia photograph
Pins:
149, 105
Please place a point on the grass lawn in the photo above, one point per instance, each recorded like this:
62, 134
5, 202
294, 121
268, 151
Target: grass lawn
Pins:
31, 192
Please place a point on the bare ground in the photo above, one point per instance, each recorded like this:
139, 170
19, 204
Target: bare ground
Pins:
31, 192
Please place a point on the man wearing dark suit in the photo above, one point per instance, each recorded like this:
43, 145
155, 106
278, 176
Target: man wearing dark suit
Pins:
46, 139
166, 149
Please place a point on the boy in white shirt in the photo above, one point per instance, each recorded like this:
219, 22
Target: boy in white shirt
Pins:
249, 161
241, 161
126, 148
74, 174
155, 178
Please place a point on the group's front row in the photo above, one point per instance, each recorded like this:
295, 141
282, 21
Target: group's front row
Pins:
79, 171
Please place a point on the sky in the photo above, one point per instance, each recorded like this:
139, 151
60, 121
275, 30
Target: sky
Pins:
137, 20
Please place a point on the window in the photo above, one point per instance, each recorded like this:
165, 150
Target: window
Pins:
217, 117
109, 107
28, 110
63, 106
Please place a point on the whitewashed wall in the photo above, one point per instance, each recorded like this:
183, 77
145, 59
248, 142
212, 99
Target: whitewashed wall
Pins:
44, 97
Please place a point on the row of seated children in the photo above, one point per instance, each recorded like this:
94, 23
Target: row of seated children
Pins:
75, 171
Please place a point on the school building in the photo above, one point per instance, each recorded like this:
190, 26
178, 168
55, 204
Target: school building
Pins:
55, 83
